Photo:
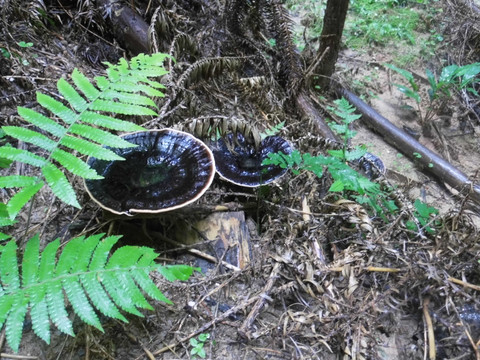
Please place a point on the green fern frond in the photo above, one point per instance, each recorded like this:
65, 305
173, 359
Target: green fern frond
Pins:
85, 275
82, 122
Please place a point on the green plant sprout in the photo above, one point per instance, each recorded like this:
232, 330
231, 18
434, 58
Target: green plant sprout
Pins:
24, 44
452, 78
198, 345
424, 214
345, 111
5, 53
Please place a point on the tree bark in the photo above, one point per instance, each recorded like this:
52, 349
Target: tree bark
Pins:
333, 23
129, 27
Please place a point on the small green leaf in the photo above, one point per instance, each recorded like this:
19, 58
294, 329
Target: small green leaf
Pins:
57, 108
21, 155
109, 122
337, 186
176, 272
42, 121
84, 85
24, 44
88, 148
30, 136
71, 95
100, 136
5, 53
121, 108
60, 185
18, 201
17, 181
409, 92
193, 342
74, 164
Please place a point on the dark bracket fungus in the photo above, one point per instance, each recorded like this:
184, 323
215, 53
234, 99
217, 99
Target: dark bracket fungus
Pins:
167, 170
240, 163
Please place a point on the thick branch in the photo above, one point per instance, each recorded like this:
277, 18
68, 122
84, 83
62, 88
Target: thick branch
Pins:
403, 142
309, 111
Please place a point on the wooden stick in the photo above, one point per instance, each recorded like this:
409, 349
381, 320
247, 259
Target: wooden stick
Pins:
463, 283
432, 352
244, 329
429, 161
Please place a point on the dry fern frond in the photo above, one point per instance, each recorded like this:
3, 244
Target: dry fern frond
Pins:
208, 127
159, 32
207, 68
183, 45
279, 23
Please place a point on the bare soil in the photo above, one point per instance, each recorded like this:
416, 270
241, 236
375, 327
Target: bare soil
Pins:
318, 286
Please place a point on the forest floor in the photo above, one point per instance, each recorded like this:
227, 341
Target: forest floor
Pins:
316, 285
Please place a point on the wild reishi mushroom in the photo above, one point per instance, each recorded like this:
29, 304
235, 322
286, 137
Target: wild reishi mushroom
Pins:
240, 163
167, 170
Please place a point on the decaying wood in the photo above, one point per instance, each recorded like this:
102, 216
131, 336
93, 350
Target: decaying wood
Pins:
129, 27
228, 233
308, 110
423, 157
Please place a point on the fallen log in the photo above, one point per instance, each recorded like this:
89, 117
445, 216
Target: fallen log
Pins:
129, 27
426, 159
308, 110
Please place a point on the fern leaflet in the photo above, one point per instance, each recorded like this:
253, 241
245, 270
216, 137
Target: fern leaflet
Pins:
85, 274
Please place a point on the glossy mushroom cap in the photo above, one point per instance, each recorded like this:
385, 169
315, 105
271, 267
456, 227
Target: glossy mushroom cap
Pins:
240, 163
167, 170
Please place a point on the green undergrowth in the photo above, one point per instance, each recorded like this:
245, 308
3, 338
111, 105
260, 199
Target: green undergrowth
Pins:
373, 23
347, 181
87, 274
68, 127
379, 22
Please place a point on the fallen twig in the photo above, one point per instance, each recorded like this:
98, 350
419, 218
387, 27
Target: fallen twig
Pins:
411, 148
206, 326
463, 283
244, 329
432, 352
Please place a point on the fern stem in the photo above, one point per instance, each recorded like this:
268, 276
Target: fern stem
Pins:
29, 217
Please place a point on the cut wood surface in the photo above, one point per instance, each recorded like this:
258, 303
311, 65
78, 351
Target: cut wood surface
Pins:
228, 233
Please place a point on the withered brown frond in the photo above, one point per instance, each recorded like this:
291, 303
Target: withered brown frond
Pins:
208, 127
207, 68
279, 23
159, 32
182, 46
